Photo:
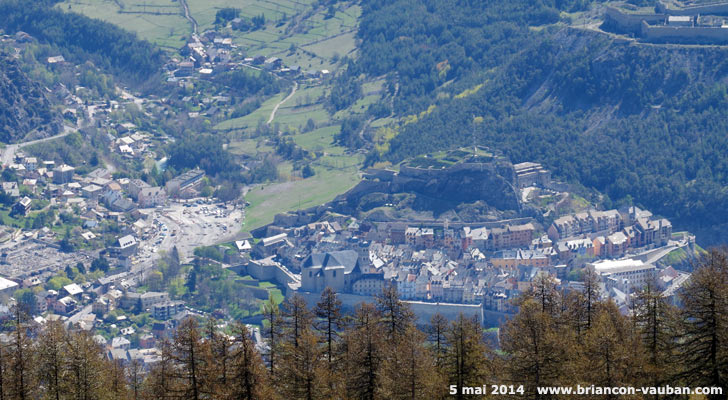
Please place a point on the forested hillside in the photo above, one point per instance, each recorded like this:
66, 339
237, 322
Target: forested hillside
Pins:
83, 39
637, 122
23, 105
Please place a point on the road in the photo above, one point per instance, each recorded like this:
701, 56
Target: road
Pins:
280, 103
8, 153
189, 17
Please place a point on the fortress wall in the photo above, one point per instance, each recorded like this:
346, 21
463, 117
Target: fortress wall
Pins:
700, 33
423, 311
718, 8
633, 22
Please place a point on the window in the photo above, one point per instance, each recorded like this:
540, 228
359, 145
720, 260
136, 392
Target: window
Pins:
309, 274
334, 273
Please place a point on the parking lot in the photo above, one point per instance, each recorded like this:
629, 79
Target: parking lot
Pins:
186, 226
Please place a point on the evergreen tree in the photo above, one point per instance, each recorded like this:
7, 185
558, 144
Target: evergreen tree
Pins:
249, 378
395, 314
328, 311
609, 356
466, 360
655, 321
704, 341
21, 357
538, 353
437, 337
51, 352
364, 346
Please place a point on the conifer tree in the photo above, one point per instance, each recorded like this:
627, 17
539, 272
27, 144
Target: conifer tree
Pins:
328, 311
186, 353
704, 341
21, 357
412, 374
363, 342
85, 367
466, 362
538, 353
249, 378
395, 314
437, 336
296, 318
51, 352
135, 377
274, 332
608, 357
656, 325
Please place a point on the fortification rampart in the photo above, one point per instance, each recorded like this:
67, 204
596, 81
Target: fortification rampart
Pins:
684, 34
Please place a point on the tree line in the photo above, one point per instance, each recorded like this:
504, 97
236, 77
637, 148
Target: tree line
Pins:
378, 352
82, 38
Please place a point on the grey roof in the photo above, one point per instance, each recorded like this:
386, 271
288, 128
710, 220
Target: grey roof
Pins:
348, 259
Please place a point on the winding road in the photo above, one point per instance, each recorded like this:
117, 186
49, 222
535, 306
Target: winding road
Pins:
8, 153
189, 17
280, 103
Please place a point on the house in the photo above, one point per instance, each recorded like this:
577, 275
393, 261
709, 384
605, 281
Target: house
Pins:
135, 186
181, 182
477, 237
30, 163
63, 174
7, 287
11, 189
337, 270
120, 343
368, 285
185, 68
520, 257
592, 221
64, 306
73, 289
91, 191
22, 206
121, 205
511, 236
126, 246
151, 197
143, 300
167, 310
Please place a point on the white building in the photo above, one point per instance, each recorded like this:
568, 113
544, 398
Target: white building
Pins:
626, 274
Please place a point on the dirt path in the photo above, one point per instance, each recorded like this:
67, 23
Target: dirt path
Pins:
189, 17
280, 103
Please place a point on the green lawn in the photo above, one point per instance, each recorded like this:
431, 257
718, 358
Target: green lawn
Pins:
147, 18
319, 140
251, 120
333, 177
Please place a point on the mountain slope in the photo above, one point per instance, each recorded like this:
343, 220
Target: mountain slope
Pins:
23, 105
641, 123
636, 122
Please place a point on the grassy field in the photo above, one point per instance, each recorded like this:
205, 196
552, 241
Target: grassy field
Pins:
334, 175
320, 140
148, 18
251, 120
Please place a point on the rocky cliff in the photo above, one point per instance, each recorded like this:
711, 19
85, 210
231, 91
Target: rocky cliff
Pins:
24, 108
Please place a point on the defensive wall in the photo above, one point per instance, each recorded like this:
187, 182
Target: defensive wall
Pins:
658, 33
423, 310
